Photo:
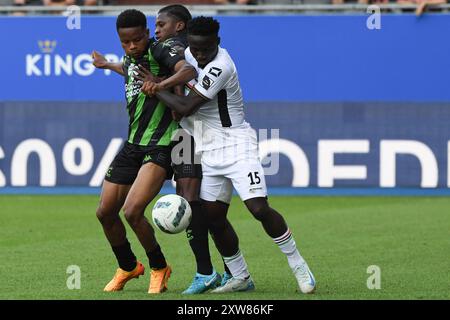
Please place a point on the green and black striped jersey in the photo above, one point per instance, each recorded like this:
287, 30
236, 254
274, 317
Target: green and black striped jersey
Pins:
151, 122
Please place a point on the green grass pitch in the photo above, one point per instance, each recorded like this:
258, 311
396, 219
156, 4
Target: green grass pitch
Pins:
408, 238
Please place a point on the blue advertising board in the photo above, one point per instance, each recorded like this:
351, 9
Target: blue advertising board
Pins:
336, 105
302, 144
288, 58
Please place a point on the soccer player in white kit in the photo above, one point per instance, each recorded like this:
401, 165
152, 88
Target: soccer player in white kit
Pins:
214, 114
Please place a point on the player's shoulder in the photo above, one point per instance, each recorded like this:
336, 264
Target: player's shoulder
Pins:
189, 57
172, 47
180, 39
222, 63
176, 44
173, 42
156, 45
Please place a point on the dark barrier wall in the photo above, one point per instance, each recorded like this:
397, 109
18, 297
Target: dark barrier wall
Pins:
319, 144
342, 105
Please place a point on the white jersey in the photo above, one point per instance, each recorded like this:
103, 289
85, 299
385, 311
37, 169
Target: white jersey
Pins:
219, 122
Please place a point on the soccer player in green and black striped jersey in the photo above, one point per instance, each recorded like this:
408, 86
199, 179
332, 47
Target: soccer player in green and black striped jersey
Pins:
139, 170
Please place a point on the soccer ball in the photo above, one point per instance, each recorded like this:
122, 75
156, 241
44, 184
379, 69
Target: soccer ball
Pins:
172, 214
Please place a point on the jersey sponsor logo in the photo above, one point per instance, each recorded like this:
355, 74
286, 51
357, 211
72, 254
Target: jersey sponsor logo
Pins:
252, 190
207, 82
147, 158
167, 43
109, 172
132, 70
132, 88
173, 52
216, 72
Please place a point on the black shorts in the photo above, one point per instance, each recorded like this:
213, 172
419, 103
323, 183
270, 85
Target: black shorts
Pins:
125, 166
191, 168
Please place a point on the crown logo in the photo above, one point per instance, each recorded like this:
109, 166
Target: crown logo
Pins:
47, 46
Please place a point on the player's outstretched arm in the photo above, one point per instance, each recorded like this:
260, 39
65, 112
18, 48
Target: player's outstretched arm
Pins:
185, 106
99, 61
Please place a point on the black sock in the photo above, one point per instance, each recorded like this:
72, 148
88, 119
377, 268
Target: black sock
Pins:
225, 267
156, 258
197, 233
125, 257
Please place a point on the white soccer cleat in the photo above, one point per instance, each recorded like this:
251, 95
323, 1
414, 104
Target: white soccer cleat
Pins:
236, 285
305, 278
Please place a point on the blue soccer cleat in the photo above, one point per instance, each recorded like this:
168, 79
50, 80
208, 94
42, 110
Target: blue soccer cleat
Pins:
203, 283
226, 276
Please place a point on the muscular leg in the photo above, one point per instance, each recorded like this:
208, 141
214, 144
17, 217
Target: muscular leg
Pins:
222, 232
197, 231
226, 240
147, 185
111, 200
272, 221
276, 227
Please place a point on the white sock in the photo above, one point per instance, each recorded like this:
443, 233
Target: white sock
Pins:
237, 266
287, 245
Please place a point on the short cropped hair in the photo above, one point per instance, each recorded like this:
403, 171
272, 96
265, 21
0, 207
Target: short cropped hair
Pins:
178, 11
131, 18
203, 26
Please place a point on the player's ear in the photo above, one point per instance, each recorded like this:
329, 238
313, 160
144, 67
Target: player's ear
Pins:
180, 26
147, 33
218, 40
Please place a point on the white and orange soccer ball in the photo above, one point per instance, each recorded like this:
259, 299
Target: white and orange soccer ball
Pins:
171, 214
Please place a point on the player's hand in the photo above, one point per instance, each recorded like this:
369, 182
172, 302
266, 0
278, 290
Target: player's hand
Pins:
144, 75
176, 116
99, 61
150, 88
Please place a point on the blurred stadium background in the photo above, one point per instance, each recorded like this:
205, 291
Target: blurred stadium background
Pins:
348, 102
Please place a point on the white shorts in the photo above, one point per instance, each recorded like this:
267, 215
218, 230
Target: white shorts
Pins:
243, 172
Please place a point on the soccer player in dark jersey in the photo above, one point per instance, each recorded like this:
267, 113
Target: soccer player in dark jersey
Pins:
170, 26
139, 170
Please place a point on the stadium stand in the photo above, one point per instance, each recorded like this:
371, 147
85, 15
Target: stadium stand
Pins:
219, 2
224, 7
159, 2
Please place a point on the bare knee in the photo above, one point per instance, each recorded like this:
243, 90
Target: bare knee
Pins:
218, 224
106, 216
259, 209
133, 213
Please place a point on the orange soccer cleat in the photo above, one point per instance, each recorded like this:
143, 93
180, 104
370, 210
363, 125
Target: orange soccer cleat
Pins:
122, 277
159, 279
